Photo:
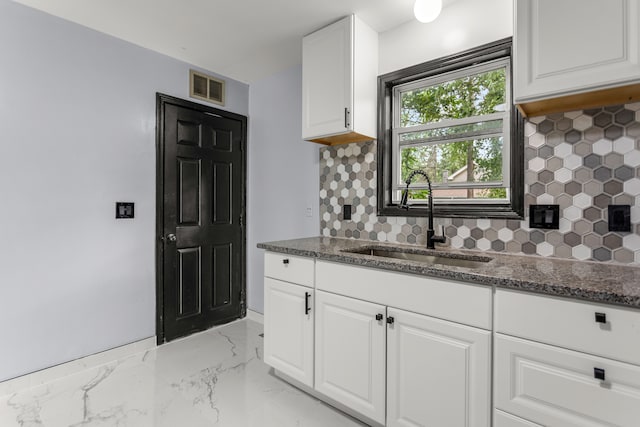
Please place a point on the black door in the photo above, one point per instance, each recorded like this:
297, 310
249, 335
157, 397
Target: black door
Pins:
201, 236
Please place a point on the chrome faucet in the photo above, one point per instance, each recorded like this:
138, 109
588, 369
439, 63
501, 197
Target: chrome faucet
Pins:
404, 204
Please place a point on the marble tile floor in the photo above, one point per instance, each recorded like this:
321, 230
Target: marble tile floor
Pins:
214, 378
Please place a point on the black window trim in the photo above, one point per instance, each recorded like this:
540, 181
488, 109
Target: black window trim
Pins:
512, 210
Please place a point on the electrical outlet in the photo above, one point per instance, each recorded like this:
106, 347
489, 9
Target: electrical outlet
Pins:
619, 217
346, 212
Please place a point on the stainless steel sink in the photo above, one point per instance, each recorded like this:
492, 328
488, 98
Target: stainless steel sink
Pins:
455, 260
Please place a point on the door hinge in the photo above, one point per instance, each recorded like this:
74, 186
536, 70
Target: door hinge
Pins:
241, 220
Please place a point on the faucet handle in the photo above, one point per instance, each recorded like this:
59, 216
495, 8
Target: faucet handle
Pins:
441, 238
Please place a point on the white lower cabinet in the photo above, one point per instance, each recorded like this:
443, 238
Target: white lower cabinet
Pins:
350, 353
556, 387
288, 329
438, 372
403, 350
566, 363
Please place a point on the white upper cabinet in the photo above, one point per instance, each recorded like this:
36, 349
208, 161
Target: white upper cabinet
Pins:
574, 47
339, 83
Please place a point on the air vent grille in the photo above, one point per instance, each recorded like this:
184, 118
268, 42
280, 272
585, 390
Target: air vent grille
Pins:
206, 88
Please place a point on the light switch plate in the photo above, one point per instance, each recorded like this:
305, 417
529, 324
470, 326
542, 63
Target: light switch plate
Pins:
124, 210
544, 216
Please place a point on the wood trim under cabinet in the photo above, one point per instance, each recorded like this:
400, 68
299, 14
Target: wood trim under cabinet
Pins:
581, 101
345, 138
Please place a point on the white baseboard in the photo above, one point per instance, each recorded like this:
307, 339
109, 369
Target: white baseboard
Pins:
69, 368
255, 316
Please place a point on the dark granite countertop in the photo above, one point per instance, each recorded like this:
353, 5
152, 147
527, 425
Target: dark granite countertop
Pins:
592, 281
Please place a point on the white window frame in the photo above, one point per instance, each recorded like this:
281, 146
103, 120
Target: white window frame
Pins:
505, 116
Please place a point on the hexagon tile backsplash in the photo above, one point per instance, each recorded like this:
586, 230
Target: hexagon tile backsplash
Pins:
581, 160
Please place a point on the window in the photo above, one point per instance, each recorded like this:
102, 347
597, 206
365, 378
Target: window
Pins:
454, 119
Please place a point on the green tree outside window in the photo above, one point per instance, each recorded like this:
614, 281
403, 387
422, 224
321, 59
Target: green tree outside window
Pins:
473, 95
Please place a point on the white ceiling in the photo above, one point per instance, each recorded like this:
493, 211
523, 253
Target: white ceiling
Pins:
241, 39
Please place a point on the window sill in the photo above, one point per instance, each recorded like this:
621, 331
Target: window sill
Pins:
490, 211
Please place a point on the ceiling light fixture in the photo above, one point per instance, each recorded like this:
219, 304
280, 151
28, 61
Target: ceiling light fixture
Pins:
427, 10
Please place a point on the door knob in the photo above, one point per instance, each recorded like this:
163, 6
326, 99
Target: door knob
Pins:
171, 237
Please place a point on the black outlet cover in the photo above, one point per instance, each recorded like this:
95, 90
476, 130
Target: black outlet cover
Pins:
544, 216
346, 212
124, 210
619, 218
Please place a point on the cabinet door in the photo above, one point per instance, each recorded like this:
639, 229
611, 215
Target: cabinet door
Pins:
438, 372
350, 353
570, 46
288, 329
327, 76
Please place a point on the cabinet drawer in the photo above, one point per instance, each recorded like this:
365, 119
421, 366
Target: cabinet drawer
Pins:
502, 419
557, 388
570, 324
459, 302
289, 268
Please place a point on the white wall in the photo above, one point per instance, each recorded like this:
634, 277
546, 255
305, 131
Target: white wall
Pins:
462, 25
283, 173
77, 129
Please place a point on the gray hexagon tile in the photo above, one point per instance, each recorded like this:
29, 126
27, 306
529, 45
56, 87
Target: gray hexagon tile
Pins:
581, 160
